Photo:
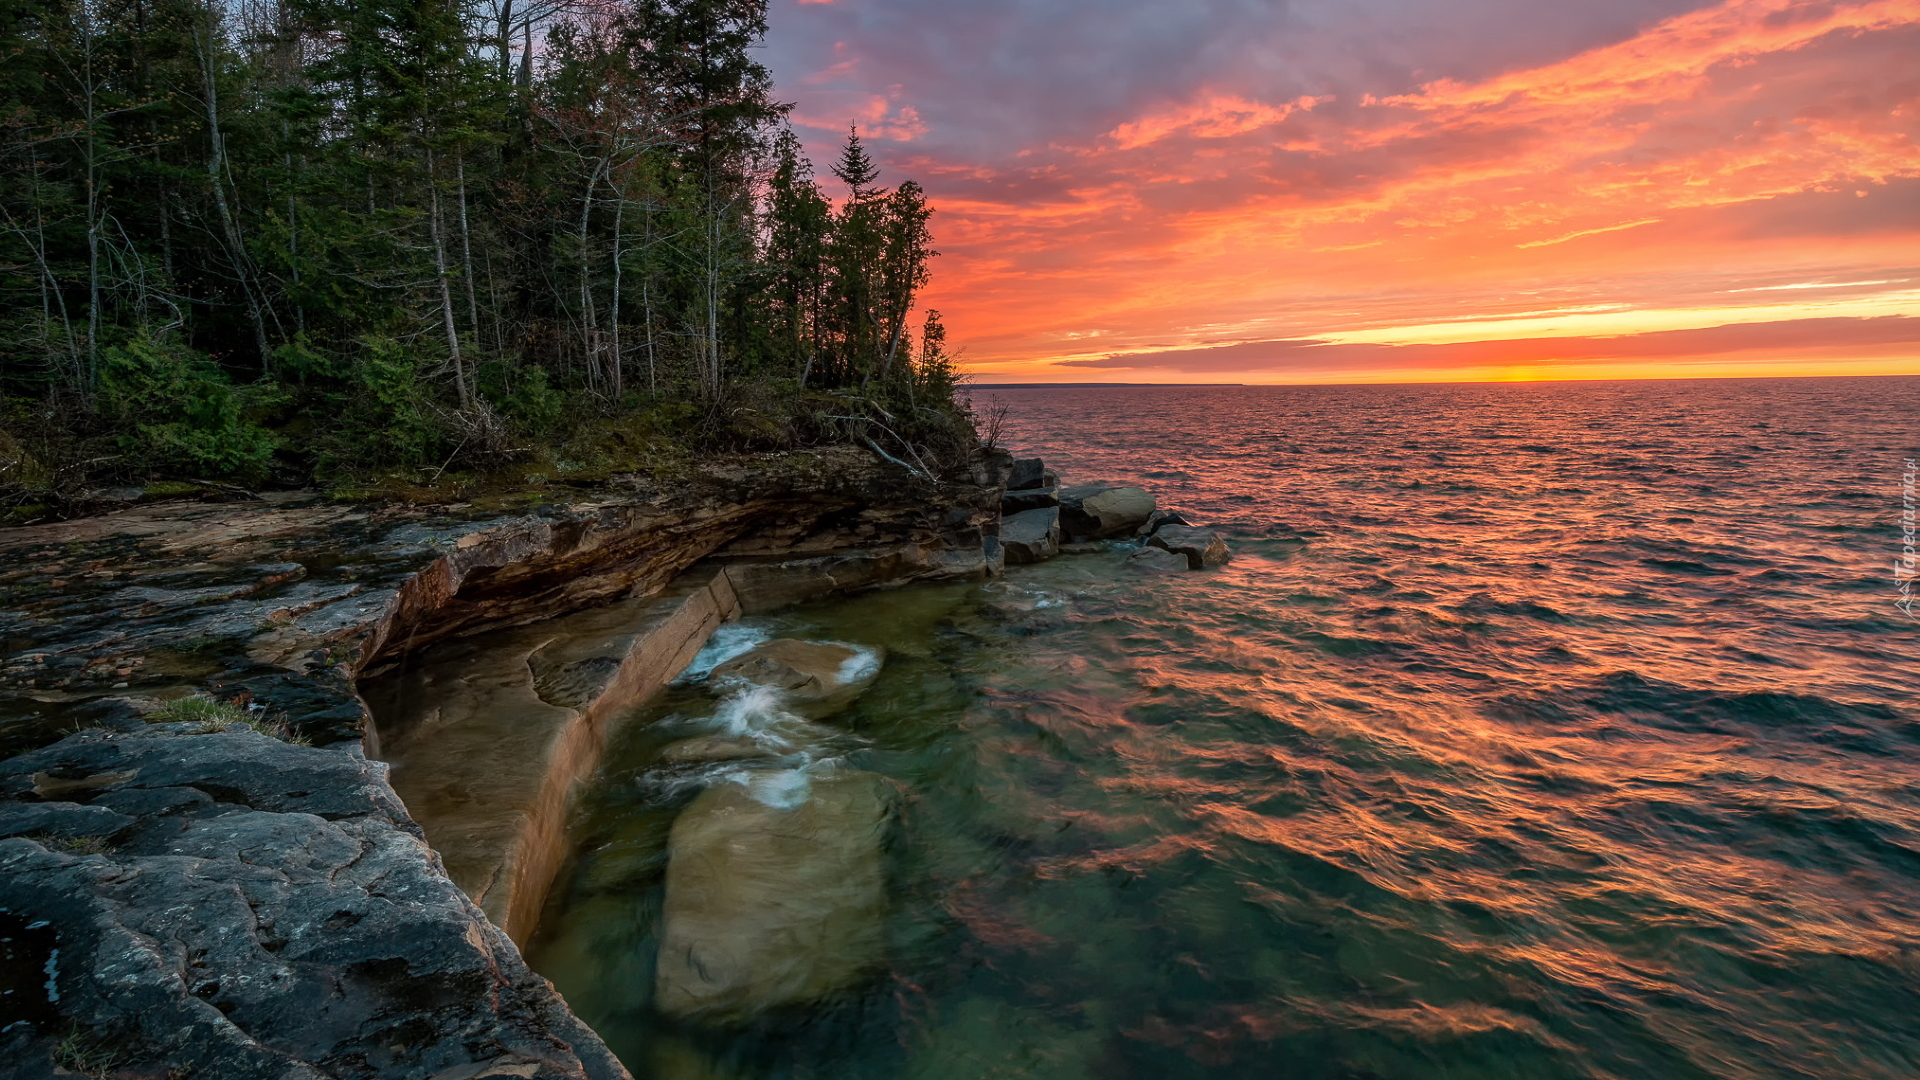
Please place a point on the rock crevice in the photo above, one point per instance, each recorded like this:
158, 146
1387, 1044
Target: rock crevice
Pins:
240, 906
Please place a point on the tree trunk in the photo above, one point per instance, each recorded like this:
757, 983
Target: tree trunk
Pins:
646, 293
589, 322
466, 249
216, 175
506, 40
293, 237
446, 290
51, 295
89, 379
613, 312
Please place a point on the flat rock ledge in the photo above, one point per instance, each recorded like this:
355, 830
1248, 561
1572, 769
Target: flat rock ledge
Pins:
183, 902
230, 905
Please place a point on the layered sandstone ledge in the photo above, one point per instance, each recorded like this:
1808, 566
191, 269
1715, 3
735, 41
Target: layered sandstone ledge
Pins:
236, 905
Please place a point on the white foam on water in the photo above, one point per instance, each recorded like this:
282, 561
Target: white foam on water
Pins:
861, 665
752, 710
782, 789
727, 642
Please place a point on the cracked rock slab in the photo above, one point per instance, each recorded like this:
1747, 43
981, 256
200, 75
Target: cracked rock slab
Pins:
260, 910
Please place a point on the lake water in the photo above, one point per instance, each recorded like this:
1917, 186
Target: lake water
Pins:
1535, 731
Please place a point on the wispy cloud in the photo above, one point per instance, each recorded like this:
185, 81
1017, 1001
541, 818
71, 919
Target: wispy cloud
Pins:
1236, 169
1578, 233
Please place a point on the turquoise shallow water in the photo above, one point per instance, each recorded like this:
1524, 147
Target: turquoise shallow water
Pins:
1538, 731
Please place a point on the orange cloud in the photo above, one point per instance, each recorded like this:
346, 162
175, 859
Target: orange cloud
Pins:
1746, 148
1218, 117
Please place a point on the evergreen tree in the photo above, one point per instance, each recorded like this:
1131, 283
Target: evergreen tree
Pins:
314, 238
855, 169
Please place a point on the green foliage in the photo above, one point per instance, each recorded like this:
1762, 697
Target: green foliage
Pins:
524, 395
183, 414
351, 243
385, 415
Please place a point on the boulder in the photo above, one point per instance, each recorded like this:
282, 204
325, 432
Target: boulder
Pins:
1159, 518
1156, 560
1032, 536
819, 678
772, 902
1098, 511
1027, 473
1019, 502
1203, 548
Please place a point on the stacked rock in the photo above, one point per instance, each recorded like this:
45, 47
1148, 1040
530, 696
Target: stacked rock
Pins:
1038, 517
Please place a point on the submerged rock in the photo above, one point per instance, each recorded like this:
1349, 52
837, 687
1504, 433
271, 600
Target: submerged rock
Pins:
775, 896
818, 677
1203, 548
1031, 537
1156, 560
1098, 511
702, 749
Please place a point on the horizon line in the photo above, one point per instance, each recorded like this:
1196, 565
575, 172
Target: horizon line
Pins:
1442, 382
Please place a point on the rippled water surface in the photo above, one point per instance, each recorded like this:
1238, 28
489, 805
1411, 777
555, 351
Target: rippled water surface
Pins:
1562, 730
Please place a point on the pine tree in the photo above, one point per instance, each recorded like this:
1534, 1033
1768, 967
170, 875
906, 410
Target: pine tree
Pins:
855, 169
323, 237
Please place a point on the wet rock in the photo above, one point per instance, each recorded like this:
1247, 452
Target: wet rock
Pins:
488, 735
767, 583
283, 602
1157, 561
819, 678
1083, 548
261, 910
772, 903
1203, 548
1019, 502
1098, 511
1027, 473
1025, 615
1032, 536
703, 749
1159, 518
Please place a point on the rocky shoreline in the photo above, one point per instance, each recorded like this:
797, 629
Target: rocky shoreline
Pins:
210, 900
1041, 519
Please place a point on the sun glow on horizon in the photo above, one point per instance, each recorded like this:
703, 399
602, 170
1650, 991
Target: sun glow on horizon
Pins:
1633, 188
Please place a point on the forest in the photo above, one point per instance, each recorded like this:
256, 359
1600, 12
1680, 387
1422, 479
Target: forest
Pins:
372, 245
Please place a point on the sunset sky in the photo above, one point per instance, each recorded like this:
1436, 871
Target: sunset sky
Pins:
1392, 190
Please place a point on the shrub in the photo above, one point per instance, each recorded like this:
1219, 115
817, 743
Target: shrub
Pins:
385, 417
180, 413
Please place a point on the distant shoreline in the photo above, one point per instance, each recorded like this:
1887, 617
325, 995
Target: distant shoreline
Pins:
1441, 382
1082, 385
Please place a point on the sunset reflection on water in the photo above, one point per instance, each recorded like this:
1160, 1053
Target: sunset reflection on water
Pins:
1534, 731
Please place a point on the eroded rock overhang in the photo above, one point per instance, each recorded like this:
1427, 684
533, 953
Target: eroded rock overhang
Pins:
283, 604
